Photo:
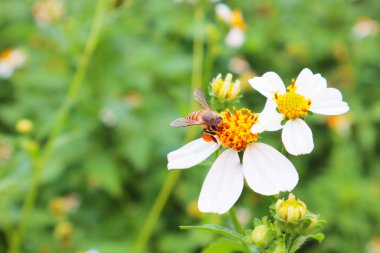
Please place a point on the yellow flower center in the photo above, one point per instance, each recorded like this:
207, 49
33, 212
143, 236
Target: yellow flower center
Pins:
236, 128
5, 54
292, 104
237, 20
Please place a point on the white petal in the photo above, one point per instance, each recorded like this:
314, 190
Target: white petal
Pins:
223, 12
329, 102
5, 70
269, 119
297, 137
191, 154
267, 171
308, 84
268, 84
223, 184
235, 38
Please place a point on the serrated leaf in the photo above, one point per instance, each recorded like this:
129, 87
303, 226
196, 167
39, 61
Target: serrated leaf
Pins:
218, 229
302, 239
298, 243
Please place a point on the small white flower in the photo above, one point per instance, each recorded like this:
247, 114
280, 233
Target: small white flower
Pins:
234, 18
266, 170
11, 59
47, 12
308, 93
365, 27
235, 38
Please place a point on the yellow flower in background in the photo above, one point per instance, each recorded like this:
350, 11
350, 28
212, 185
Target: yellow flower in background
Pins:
10, 60
48, 11
341, 124
234, 18
24, 126
225, 89
63, 232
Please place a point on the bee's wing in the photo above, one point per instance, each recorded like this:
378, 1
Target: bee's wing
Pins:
199, 96
182, 122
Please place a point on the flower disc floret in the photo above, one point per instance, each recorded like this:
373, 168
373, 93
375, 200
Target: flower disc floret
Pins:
236, 129
292, 104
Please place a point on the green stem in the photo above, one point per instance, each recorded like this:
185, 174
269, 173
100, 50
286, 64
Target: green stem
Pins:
156, 210
173, 176
39, 162
196, 78
238, 227
235, 221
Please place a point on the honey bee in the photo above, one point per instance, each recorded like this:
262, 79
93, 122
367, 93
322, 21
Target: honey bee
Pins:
209, 120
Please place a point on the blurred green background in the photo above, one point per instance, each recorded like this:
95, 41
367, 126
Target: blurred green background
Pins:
109, 161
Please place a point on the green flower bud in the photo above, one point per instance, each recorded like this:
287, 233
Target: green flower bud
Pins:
313, 223
262, 235
291, 210
278, 248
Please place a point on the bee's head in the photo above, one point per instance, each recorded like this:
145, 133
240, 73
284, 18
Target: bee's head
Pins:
216, 123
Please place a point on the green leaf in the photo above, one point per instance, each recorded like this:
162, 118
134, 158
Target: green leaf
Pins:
319, 237
298, 243
219, 230
223, 246
302, 239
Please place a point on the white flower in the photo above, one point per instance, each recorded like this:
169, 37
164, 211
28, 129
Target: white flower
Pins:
11, 59
266, 170
308, 93
47, 12
234, 18
365, 27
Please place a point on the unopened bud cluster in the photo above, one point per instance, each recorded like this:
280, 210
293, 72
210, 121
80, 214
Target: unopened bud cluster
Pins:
291, 221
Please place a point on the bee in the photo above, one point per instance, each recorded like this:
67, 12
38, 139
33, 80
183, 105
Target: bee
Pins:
209, 120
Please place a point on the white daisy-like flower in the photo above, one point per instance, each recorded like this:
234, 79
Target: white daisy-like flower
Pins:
308, 93
47, 12
234, 18
11, 59
265, 169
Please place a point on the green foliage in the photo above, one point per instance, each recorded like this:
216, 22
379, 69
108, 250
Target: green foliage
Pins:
112, 149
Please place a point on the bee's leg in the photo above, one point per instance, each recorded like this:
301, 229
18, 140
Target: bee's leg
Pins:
207, 136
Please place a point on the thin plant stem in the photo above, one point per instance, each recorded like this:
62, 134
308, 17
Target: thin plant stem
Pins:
172, 177
39, 162
156, 210
235, 221
238, 227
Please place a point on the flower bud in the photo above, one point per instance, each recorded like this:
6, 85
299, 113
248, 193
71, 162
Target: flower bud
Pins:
225, 89
64, 232
262, 235
313, 223
278, 248
24, 126
291, 210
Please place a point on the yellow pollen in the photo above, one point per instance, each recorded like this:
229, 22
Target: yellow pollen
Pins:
237, 20
292, 104
236, 128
